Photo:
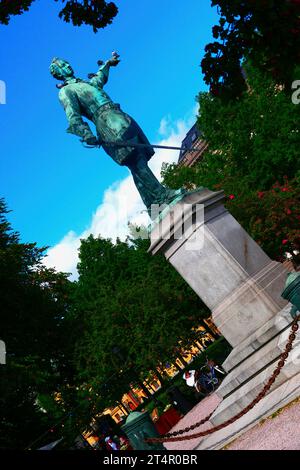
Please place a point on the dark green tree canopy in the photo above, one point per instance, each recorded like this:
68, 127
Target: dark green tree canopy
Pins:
253, 141
34, 302
134, 310
253, 155
95, 13
265, 31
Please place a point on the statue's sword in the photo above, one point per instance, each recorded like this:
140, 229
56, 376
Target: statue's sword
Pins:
138, 145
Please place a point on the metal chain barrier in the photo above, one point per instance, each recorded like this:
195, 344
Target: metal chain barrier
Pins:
169, 437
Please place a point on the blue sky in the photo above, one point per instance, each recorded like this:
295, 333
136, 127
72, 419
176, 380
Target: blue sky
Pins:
52, 184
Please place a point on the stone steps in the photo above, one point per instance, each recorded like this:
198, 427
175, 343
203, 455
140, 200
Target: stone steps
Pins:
276, 399
256, 340
248, 389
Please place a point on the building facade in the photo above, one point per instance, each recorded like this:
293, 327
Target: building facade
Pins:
192, 139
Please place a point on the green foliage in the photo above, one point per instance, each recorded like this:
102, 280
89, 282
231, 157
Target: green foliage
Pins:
253, 141
33, 304
217, 351
134, 309
271, 217
13, 7
263, 31
255, 138
254, 157
95, 13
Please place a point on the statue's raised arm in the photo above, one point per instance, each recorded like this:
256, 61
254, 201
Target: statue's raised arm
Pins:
100, 78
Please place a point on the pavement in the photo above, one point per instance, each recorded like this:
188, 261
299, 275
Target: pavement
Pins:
200, 411
281, 431
278, 430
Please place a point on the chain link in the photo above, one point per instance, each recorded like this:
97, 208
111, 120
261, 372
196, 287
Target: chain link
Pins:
170, 437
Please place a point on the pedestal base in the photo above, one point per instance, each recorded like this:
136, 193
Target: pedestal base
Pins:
242, 287
249, 376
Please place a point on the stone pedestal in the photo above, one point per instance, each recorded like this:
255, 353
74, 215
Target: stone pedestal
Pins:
233, 276
240, 284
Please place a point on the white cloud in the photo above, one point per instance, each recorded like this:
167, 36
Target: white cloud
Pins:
164, 125
121, 203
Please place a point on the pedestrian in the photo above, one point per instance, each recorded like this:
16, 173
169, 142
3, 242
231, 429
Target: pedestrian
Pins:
125, 444
110, 444
191, 378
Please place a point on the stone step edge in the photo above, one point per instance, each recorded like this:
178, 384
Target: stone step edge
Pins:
272, 351
292, 395
255, 384
269, 330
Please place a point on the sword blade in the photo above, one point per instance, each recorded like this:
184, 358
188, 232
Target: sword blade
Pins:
138, 145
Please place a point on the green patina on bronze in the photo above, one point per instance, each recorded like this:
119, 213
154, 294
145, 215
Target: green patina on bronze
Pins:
87, 99
292, 292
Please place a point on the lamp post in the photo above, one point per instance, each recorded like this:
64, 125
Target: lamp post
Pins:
2, 352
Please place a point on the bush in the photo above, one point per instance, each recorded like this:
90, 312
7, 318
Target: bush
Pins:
271, 217
218, 352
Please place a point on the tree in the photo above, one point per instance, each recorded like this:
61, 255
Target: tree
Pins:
253, 157
129, 301
95, 13
34, 303
267, 32
253, 141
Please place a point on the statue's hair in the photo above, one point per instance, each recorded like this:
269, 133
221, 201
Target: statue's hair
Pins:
55, 69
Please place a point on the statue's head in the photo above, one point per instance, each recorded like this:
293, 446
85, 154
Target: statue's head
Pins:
61, 69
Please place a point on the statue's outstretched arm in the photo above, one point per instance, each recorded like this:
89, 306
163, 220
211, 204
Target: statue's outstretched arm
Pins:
76, 124
100, 78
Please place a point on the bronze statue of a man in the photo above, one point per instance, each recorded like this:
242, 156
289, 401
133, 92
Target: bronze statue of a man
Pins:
86, 98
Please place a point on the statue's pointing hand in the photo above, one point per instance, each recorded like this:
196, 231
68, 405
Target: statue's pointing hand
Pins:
114, 59
111, 62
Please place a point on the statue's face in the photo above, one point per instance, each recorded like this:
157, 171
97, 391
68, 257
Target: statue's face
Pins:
61, 69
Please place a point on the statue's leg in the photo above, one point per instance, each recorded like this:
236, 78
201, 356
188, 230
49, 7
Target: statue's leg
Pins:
150, 189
